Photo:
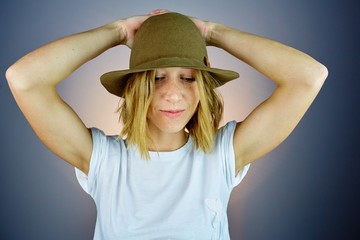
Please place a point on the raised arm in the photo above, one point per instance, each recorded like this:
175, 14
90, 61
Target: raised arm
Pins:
33, 79
298, 76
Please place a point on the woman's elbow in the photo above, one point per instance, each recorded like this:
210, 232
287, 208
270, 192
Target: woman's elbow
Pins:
16, 79
316, 76
10, 76
321, 75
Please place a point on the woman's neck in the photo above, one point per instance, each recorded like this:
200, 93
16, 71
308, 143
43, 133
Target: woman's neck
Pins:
167, 142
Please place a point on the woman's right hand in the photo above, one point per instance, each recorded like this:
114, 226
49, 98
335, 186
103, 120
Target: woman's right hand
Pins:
128, 27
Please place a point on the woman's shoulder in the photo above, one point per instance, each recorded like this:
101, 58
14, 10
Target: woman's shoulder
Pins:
228, 128
101, 139
99, 133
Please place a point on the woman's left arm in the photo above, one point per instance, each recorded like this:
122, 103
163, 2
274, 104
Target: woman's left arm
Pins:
298, 77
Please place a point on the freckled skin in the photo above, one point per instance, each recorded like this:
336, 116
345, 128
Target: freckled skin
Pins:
174, 102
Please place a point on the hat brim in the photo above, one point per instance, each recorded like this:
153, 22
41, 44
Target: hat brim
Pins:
115, 81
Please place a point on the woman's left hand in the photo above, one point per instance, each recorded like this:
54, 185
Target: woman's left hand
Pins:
205, 28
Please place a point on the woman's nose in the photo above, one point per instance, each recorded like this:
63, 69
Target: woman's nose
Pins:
172, 91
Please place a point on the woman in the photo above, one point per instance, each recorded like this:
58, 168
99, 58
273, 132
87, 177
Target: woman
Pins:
172, 176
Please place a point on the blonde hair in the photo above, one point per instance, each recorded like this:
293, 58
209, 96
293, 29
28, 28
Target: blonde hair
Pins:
137, 98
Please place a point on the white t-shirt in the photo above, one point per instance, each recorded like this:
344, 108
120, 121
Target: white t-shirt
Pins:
181, 194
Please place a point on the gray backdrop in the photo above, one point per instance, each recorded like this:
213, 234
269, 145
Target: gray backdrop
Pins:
307, 188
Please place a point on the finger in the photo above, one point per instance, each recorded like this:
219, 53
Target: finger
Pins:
159, 11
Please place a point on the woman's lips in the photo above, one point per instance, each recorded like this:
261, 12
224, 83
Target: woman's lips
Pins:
172, 113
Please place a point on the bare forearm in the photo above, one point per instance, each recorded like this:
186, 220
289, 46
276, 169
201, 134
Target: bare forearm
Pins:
53, 62
282, 64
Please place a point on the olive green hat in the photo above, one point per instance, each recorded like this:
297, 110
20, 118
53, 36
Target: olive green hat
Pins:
165, 40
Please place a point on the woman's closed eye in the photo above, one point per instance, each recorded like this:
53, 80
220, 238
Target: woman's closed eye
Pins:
159, 78
188, 79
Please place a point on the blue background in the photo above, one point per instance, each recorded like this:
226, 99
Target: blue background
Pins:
307, 188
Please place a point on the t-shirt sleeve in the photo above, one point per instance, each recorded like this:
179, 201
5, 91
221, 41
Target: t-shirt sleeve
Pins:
227, 135
88, 182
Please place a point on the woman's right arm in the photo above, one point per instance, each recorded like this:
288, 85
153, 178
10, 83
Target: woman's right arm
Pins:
33, 80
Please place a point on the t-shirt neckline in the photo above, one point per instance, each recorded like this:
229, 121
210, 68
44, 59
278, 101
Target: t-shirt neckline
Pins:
155, 155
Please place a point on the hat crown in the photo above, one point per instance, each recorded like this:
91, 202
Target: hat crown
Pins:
169, 35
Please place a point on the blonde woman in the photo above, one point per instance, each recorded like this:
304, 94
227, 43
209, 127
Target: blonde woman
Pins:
170, 172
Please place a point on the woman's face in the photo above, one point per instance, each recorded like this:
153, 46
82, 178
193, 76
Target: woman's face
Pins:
175, 100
